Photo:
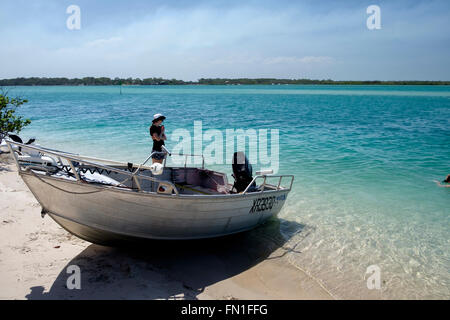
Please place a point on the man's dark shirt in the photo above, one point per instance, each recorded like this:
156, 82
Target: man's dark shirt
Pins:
156, 144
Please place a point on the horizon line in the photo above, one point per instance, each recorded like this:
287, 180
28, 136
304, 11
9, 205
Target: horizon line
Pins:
102, 80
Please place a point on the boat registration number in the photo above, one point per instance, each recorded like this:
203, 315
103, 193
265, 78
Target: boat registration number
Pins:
263, 204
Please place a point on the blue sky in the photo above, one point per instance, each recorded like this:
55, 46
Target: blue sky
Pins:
193, 39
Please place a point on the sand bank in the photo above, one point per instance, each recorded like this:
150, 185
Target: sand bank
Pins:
35, 253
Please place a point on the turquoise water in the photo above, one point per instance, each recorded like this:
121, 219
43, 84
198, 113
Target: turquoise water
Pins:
365, 160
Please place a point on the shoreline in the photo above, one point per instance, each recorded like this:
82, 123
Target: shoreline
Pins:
35, 254
153, 81
232, 85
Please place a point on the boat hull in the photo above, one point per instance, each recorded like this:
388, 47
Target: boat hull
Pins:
110, 215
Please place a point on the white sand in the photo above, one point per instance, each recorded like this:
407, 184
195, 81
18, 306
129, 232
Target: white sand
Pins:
35, 254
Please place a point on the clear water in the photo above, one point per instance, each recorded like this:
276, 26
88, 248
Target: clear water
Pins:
364, 158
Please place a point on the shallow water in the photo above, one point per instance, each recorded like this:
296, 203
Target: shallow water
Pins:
364, 158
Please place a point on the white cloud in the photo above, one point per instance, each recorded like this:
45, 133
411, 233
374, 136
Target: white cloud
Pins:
308, 60
103, 42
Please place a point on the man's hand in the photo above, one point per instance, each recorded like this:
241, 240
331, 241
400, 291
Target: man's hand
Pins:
155, 137
163, 134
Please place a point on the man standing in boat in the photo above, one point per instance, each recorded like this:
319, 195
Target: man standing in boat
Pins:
158, 135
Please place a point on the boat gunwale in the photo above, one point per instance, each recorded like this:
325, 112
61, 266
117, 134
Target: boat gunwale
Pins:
155, 194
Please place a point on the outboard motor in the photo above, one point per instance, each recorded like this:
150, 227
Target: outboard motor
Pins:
15, 138
18, 139
242, 173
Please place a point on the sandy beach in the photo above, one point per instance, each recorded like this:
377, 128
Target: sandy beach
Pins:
35, 253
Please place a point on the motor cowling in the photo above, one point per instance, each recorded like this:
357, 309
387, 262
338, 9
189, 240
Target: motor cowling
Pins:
242, 172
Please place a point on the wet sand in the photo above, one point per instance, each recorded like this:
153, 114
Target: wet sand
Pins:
35, 253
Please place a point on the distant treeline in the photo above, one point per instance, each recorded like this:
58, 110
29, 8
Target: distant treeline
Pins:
88, 81
103, 81
309, 81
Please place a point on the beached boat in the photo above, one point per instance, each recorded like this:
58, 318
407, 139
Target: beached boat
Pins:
106, 202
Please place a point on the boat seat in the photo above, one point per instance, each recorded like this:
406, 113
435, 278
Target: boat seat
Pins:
211, 181
195, 190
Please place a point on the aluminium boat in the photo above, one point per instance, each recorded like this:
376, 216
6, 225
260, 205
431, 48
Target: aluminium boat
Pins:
108, 202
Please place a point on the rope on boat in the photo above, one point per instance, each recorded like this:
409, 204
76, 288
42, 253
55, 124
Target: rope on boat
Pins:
72, 192
86, 169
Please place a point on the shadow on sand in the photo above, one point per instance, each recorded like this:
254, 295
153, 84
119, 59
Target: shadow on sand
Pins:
169, 269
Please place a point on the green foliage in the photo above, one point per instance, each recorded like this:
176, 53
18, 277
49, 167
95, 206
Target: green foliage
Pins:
9, 121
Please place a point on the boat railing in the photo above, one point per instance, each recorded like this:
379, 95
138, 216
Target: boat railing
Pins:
76, 160
186, 156
265, 183
112, 162
82, 160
